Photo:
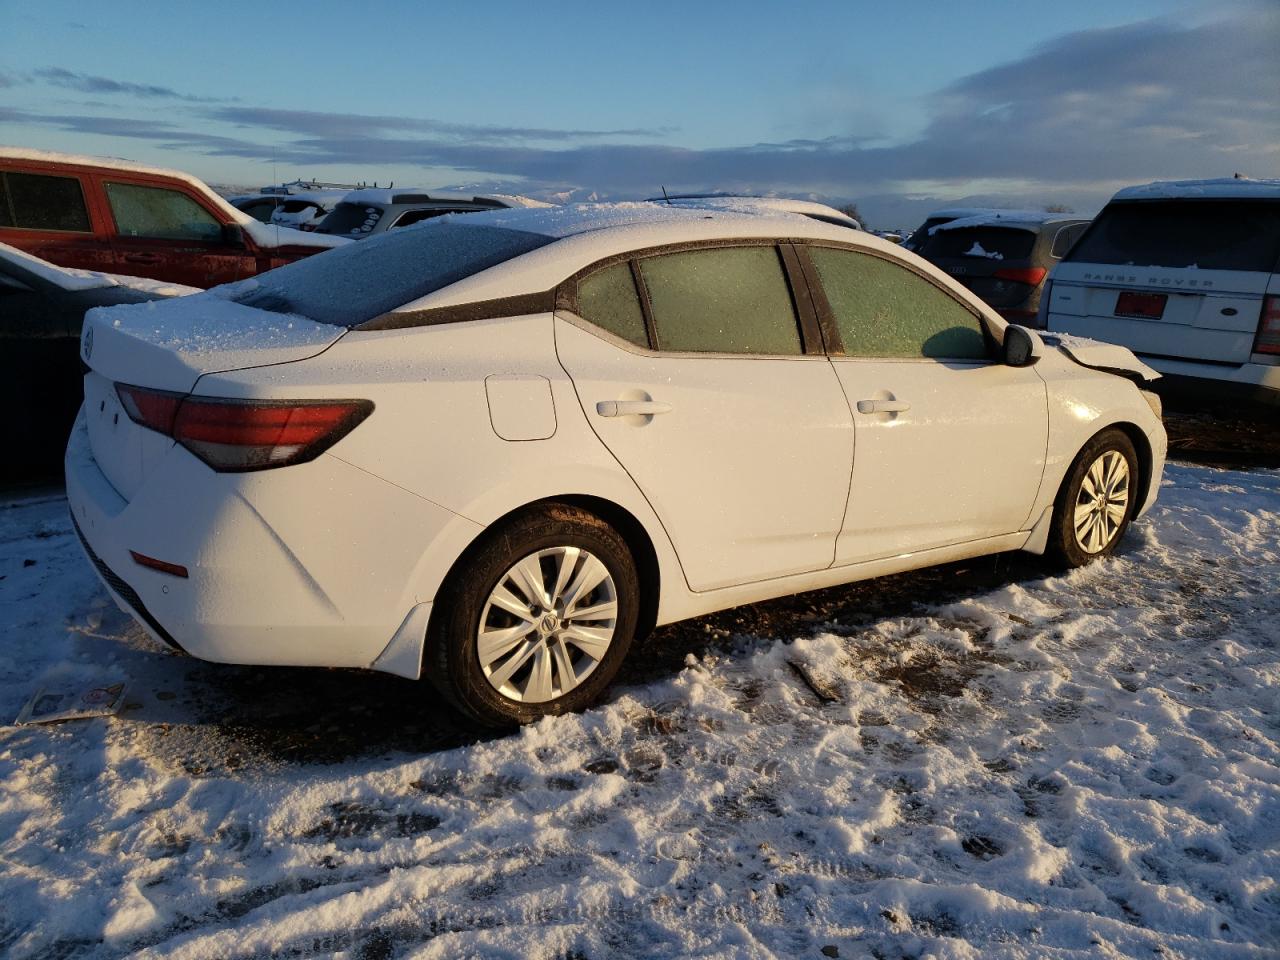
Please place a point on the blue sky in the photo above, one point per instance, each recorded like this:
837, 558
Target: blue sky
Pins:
896, 106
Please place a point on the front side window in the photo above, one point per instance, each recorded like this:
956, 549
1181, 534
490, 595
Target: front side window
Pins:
608, 299
32, 201
885, 310
159, 213
724, 300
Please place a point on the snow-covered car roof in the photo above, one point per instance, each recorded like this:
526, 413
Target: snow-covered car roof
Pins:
762, 205
67, 278
264, 235
412, 195
1223, 188
1027, 219
589, 232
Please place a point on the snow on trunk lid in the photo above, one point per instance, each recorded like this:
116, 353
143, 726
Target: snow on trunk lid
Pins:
169, 345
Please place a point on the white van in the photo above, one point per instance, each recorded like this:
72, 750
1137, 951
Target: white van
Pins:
1184, 274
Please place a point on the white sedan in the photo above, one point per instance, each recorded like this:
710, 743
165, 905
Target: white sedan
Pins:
496, 450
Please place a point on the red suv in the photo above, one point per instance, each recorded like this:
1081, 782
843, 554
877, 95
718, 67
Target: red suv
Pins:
118, 217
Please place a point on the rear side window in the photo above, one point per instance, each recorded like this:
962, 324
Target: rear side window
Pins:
360, 281
1065, 239
32, 201
157, 213
417, 216
1208, 234
608, 299
988, 243
884, 310
725, 300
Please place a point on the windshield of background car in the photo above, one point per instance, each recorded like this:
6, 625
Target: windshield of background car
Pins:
355, 283
921, 233
1208, 234
351, 219
989, 243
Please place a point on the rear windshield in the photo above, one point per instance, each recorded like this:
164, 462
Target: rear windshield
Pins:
921, 233
989, 243
1208, 234
351, 218
356, 283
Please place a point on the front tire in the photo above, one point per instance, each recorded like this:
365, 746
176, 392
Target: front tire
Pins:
536, 619
1097, 501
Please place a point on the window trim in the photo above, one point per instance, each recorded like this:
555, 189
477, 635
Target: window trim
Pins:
831, 329
84, 200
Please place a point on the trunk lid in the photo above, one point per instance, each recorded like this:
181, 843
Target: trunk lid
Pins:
976, 256
169, 345
1205, 314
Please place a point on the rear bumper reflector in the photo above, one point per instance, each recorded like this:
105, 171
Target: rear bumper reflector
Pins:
126, 592
173, 569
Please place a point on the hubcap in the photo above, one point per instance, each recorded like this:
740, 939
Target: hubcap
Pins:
547, 624
1102, 502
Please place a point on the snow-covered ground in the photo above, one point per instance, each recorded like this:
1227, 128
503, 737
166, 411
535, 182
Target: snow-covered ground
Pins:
1013, 766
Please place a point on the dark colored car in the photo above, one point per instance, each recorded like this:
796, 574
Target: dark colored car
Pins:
42, 308
1003, 256
117, 217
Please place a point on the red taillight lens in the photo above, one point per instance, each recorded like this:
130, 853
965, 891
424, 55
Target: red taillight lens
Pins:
1028, 275
154, 409
1269, 327
238, 435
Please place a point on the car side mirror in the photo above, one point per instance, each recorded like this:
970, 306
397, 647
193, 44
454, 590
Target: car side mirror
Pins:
1022, 347
233, 234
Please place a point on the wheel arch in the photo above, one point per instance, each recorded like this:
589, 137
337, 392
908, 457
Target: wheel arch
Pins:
632, 530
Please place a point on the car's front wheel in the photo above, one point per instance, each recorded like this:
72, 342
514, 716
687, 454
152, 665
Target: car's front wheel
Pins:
1097, 500
536, 619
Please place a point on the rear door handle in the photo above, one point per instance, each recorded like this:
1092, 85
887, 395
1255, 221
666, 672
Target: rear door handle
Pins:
631, 408
142, 257
883, 406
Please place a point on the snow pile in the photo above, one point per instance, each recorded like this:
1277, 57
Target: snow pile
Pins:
1084, 765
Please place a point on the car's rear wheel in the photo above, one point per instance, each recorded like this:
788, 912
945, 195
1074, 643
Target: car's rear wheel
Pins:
536, 619
1097, 500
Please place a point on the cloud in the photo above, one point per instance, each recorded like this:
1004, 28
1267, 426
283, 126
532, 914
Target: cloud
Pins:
320, 124
1072, 120
88, 83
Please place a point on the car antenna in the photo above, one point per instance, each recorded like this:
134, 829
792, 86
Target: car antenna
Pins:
666, 198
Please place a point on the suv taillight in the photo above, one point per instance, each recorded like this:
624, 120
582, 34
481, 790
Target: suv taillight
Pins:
1268, 340
1028, 275
240, 435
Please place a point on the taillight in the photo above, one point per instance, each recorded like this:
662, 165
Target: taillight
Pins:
1268, 340
154, 409
1028, 275
240, 435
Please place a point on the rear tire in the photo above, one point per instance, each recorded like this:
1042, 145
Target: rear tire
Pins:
1097, 501
536, 618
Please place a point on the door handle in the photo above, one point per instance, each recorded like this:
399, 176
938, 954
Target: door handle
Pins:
631, 408
142, 257
883, 406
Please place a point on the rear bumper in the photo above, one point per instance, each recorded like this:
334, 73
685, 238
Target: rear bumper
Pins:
312, 565
1258, 382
